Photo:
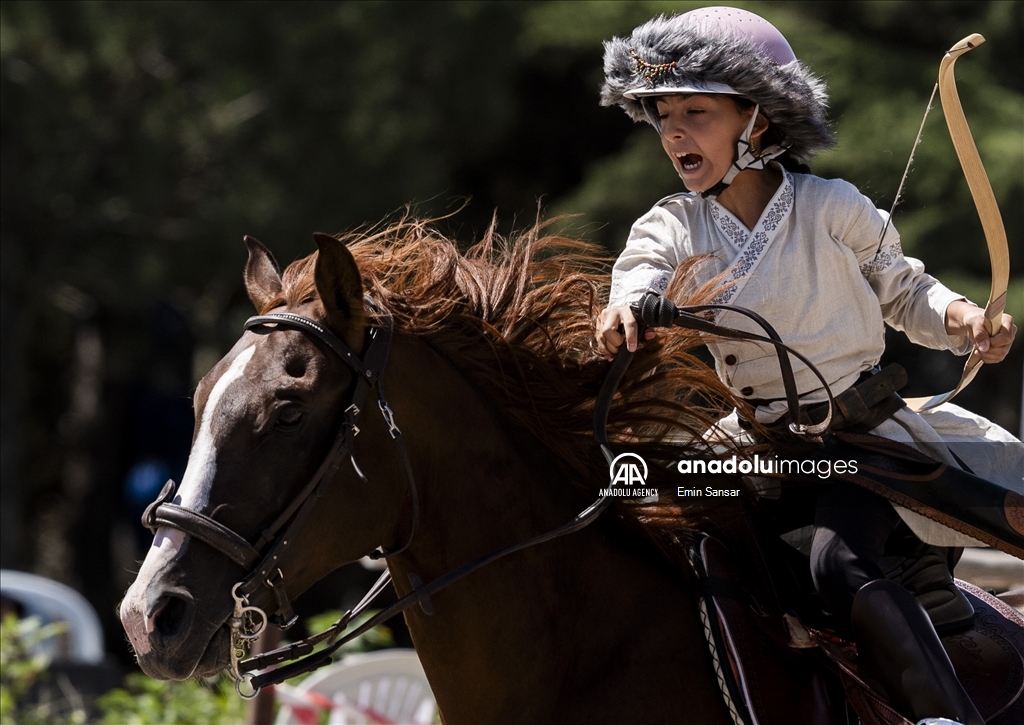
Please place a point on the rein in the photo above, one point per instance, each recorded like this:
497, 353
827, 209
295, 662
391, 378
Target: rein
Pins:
654, 310
247, 622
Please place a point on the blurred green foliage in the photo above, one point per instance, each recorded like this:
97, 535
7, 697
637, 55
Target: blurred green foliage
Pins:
142, 700
141, 138
145, 701
23, 665
140, 141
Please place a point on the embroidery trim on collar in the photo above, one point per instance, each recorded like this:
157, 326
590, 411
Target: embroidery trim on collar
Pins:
753, 247
737, 233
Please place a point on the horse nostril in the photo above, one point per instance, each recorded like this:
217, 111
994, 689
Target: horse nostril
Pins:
172, 616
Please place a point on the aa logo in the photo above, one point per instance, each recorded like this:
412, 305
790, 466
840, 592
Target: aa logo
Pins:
628, 470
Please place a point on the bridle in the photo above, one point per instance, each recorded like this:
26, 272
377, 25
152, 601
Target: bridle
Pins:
261, 559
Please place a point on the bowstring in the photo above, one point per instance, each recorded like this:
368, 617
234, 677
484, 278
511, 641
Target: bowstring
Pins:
906, 171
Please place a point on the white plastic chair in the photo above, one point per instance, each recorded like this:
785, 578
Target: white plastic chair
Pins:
379, 687
55, 602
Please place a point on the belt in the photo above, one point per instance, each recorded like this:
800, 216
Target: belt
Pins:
861, 407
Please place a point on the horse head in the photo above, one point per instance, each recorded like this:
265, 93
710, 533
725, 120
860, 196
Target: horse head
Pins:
266, 417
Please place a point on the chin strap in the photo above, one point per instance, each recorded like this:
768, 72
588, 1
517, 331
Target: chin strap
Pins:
747, 157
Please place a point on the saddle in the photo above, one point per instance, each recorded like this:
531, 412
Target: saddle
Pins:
779, 661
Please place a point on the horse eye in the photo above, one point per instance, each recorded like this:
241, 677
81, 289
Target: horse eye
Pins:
289, 417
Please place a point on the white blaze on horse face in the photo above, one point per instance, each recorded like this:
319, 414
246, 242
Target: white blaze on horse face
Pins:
194, 491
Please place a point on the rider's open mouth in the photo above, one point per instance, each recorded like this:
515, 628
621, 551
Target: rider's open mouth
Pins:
689, 162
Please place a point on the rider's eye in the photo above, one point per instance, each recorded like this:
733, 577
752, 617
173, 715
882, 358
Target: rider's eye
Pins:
289, 417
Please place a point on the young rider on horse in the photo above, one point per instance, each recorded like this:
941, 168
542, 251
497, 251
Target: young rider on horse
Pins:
739, 117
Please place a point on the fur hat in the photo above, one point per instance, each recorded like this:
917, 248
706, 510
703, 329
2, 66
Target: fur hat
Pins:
719, 50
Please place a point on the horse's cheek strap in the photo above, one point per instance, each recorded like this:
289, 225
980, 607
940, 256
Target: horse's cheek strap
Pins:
268, 572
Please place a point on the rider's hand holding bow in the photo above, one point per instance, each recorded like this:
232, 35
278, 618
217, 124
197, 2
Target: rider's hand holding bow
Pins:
963, 318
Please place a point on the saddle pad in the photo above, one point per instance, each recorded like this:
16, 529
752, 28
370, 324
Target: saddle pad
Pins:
767, 681
989, 658
989, 662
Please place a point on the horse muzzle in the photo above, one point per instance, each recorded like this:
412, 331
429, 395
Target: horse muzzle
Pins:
166, 639
173, 635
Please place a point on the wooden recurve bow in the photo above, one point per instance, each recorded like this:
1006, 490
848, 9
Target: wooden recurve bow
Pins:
988, 211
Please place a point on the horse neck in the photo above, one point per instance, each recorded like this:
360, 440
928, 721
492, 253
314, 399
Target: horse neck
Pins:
555, 632
483, 484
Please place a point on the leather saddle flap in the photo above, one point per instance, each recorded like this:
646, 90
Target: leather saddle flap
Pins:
780, 685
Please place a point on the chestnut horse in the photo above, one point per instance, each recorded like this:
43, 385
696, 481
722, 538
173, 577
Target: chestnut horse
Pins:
491, 381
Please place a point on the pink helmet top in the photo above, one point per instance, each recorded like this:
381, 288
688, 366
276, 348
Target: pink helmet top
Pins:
744, 24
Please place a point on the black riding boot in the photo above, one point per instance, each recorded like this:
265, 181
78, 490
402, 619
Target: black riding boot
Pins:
898, 648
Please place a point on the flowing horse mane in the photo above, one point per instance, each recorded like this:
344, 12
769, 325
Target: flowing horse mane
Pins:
517, 317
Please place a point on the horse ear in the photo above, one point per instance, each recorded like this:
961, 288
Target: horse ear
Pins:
338, 283
262, 275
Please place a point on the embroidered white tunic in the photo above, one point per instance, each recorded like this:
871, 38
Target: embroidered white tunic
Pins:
814, 268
